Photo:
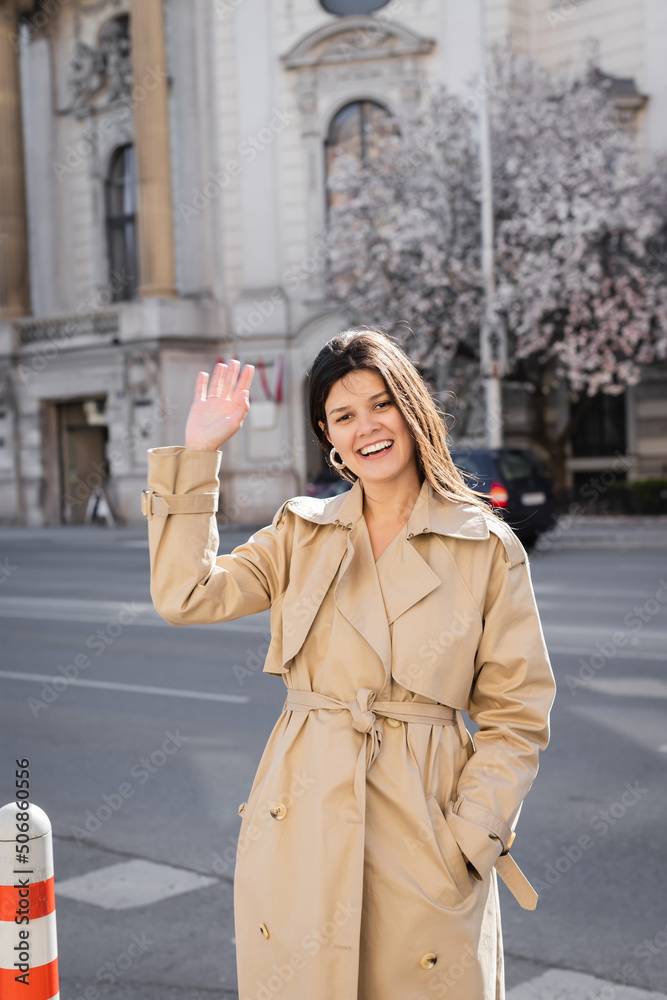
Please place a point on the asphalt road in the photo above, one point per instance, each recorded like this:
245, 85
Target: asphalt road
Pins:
143, 757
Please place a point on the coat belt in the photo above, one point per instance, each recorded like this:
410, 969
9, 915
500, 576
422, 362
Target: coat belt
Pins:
364, 721
364, 717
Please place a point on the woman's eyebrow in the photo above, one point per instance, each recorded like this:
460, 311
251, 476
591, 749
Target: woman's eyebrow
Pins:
370, 398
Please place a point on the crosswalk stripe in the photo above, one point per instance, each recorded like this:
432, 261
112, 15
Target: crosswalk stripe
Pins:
132, 883
557, 984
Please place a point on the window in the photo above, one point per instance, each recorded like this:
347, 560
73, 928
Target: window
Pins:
121, 221
473, 466
345, 7
357, 129
513, 465
602, 428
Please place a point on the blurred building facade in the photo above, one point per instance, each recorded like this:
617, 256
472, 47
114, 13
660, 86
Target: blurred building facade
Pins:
163, 204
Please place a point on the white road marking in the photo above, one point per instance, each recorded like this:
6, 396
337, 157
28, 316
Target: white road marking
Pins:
603, 631
629, 687
130, 884
102, 612
15, 675
558, 984
631, 654
567, 590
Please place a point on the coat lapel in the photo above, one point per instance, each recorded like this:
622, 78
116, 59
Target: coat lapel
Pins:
302, 602
413, 578
358, 595
348, 552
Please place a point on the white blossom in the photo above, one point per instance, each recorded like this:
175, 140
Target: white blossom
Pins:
579, 236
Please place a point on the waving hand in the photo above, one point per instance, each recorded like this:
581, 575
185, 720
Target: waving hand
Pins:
219, 408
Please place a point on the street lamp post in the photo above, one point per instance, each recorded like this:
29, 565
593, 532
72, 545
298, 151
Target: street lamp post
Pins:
491, 338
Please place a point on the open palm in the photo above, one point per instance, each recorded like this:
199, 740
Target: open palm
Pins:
218, 409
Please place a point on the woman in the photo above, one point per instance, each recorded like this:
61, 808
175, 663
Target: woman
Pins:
374, 829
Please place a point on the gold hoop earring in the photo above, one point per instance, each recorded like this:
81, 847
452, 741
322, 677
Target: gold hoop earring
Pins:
333, 460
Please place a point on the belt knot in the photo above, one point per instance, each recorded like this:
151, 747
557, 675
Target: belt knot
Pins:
363, 718
365, 721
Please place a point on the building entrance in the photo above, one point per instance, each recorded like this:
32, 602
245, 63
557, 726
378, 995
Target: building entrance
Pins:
79, 471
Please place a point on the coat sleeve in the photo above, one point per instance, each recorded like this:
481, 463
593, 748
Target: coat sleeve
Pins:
511, 699
189, 583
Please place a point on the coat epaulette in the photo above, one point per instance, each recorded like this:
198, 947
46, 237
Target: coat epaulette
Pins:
514, 550
308, 507
279, 515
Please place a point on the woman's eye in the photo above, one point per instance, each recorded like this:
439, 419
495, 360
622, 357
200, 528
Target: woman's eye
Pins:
384, 402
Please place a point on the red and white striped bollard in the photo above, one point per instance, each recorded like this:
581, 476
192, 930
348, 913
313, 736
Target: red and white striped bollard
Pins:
28, 945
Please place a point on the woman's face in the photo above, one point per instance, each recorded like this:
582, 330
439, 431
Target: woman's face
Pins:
361, 413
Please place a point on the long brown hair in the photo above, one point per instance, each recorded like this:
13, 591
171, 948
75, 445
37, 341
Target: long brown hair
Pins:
372, 350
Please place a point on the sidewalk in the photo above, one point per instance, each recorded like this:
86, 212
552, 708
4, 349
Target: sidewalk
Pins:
595, 532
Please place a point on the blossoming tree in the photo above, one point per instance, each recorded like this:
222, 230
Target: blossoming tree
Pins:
577, 220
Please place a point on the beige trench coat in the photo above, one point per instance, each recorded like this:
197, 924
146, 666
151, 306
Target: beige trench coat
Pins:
350, 880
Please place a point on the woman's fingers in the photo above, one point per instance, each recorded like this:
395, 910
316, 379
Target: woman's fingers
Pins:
245, 378
217, 377
200, 386
230, 379
225, 381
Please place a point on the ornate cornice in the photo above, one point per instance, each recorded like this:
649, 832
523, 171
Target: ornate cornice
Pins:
355, 39
109, 65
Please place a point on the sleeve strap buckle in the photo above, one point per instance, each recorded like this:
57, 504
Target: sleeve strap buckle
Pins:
146, 503
177, 503
503, 854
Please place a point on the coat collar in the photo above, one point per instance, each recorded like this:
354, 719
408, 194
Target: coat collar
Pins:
348, 556
431, 512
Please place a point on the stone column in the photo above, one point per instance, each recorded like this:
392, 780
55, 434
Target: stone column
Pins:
150, 99
14, 269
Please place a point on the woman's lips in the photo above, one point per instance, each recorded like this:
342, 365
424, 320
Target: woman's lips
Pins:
376, 454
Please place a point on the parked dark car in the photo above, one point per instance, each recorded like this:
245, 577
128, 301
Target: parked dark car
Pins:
519, 484
518, 481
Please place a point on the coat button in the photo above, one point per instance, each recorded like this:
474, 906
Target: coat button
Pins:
411, 534
278, 810
242, 807
429, 960
424, 529
265, 930
394, 722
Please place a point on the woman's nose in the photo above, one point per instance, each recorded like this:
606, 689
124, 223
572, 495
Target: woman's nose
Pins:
367, 424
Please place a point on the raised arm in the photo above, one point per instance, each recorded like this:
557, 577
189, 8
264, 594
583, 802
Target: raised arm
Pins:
190, 583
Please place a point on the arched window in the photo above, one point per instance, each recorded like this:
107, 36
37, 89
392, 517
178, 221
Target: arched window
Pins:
121, 222
346, 7
358, 129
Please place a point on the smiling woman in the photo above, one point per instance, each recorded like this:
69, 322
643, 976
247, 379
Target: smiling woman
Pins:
375, 828
368, 401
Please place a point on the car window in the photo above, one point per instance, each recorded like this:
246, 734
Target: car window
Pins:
513, 465
541, 466
473, 464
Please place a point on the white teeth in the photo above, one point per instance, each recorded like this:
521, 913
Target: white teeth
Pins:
376, 447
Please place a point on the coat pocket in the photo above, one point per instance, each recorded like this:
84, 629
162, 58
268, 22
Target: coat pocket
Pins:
449, 849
